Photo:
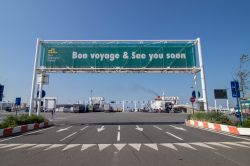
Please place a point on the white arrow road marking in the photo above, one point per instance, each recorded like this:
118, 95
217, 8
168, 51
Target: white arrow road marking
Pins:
84, 128
169, 145
202, 145
153, 146
118, 136
185, 145
39, 146
100, 129
157, 127
218, 144
9, 145
235, 144
54, 146
139, 128
174, 136
70, 146
119, 146
119, 128
60, 130
178, 128
103, 146
135, 146
86, 146
22, 146
68, 136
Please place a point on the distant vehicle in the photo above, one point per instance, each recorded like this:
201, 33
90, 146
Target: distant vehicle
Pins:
49, 104
8, 109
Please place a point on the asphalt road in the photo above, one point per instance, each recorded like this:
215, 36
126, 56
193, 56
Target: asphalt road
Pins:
111, 139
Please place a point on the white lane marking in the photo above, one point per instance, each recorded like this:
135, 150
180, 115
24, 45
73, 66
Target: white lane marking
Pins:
178, 128
64, 129
174, 136
135, 146
139, 128
202, 145
22, 146
244, 142
103, 146
70, 146
84, 128
153, 146
9, 146
86, 146
39, 146
100, 129
2, 144
118, 136
222, 133
27, 134
119, 128
157, 127
186, 145
235, 144
68, 136
119, 146
54, 146
169, 145
218, 144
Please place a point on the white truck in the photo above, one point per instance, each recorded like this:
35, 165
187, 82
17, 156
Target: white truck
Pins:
50, 104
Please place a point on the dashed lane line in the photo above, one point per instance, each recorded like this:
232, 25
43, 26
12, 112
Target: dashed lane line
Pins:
178, 128
118, 136
68, 136
179, 138
64, 129
84, 128
157, 127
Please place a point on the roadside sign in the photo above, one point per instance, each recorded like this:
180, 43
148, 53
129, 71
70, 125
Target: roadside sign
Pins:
123, 54
43, 93
1, 92
18, 101
220, 93
192, 99
235, 89
194, 94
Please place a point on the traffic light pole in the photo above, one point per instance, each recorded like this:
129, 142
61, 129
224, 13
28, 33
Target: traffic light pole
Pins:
239, 112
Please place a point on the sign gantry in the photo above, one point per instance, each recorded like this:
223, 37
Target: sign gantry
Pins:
111, 56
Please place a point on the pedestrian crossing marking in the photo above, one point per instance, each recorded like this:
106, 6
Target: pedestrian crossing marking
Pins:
54, 146
153, 146
136, 146
121, 146
169, 145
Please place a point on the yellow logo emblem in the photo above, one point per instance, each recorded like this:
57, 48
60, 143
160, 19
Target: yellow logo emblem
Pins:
52, 51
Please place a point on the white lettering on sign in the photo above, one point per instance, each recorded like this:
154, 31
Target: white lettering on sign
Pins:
75, 55
176, 56
138, 56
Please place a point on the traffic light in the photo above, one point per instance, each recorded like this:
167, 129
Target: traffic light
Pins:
1, 92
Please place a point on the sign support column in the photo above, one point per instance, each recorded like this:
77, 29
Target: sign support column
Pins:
203, 81
40, 95
34, 78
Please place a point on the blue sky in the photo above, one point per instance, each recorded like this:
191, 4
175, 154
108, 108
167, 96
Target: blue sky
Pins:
222, 25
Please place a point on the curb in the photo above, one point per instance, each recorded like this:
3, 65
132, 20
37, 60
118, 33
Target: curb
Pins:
219, 127
24, 128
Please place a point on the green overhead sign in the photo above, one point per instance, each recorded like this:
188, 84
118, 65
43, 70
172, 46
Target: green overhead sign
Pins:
129, 55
